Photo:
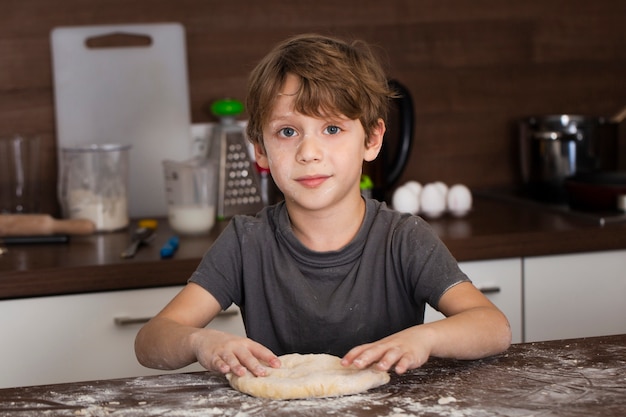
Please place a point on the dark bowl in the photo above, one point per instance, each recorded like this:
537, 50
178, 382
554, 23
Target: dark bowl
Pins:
595, 191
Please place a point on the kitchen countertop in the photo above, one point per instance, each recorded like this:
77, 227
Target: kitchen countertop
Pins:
495, 228
566, 378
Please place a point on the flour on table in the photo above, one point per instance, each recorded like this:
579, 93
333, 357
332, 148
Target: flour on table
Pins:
446, 400
309, 376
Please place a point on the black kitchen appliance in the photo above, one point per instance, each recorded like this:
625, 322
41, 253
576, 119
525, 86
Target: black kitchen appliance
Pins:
386, 169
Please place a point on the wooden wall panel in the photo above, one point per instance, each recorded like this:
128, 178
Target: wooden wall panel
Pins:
473, 68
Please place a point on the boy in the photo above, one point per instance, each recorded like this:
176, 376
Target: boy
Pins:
324, 271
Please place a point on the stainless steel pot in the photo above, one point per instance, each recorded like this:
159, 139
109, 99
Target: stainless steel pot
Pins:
555, 147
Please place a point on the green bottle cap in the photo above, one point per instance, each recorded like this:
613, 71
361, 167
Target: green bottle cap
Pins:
227, 107
366, 182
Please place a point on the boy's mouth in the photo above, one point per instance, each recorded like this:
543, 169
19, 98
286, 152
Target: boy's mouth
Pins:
312, 181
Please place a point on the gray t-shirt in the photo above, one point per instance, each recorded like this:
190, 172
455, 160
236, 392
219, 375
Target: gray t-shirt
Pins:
294, 299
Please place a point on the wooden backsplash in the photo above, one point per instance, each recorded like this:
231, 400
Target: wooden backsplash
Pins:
473, 67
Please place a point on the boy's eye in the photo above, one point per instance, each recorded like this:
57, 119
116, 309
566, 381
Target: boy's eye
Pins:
333, 130
287, 132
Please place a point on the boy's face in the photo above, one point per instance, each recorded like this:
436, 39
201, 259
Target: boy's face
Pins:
316, 162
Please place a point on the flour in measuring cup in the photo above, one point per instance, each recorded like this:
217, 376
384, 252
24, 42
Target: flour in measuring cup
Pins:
108, 214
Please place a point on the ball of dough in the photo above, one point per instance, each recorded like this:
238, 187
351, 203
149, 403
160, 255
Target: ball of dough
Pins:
309, 376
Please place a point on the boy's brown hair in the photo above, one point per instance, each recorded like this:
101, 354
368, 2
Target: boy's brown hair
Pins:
337, 78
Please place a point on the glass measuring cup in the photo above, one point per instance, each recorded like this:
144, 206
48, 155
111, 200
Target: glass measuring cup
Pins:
191, 191
19, 174
93, 184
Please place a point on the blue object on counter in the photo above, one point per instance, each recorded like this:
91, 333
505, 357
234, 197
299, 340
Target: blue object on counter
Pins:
170, 247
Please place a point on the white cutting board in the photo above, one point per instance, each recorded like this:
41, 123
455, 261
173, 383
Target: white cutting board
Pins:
135, 95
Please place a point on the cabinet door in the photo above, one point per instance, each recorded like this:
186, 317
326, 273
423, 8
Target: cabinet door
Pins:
501, 281
575, 295
82, 337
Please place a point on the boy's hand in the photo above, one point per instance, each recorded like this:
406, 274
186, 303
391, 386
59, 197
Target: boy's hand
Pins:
224, 353
403, 351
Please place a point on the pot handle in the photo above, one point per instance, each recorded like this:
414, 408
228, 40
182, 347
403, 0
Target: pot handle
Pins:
619, 116
555, 135
407, 121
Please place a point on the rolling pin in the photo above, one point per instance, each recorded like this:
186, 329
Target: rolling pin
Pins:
42, 224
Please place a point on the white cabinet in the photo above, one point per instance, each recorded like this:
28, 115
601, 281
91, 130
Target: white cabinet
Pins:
77, 337
575, 295
91, 336
501, 281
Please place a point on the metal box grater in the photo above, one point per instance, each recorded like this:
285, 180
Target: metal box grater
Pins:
239, 190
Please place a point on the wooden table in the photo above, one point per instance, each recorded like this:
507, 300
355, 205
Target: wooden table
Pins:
578, 377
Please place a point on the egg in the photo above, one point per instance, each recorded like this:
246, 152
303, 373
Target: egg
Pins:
415, 186
459, 200
442, 187
432, 200
405, 200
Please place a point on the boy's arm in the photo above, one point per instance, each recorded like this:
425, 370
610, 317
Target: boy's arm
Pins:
177, 337
474, 321
473, 328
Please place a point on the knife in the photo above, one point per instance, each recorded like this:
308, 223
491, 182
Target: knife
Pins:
140, 236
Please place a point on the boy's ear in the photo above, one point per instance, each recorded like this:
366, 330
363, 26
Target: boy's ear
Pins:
375, 141
260, 156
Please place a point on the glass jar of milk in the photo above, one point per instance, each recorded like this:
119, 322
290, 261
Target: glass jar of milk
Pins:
191, 191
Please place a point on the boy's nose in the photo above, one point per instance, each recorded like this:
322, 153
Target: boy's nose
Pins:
309, 149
